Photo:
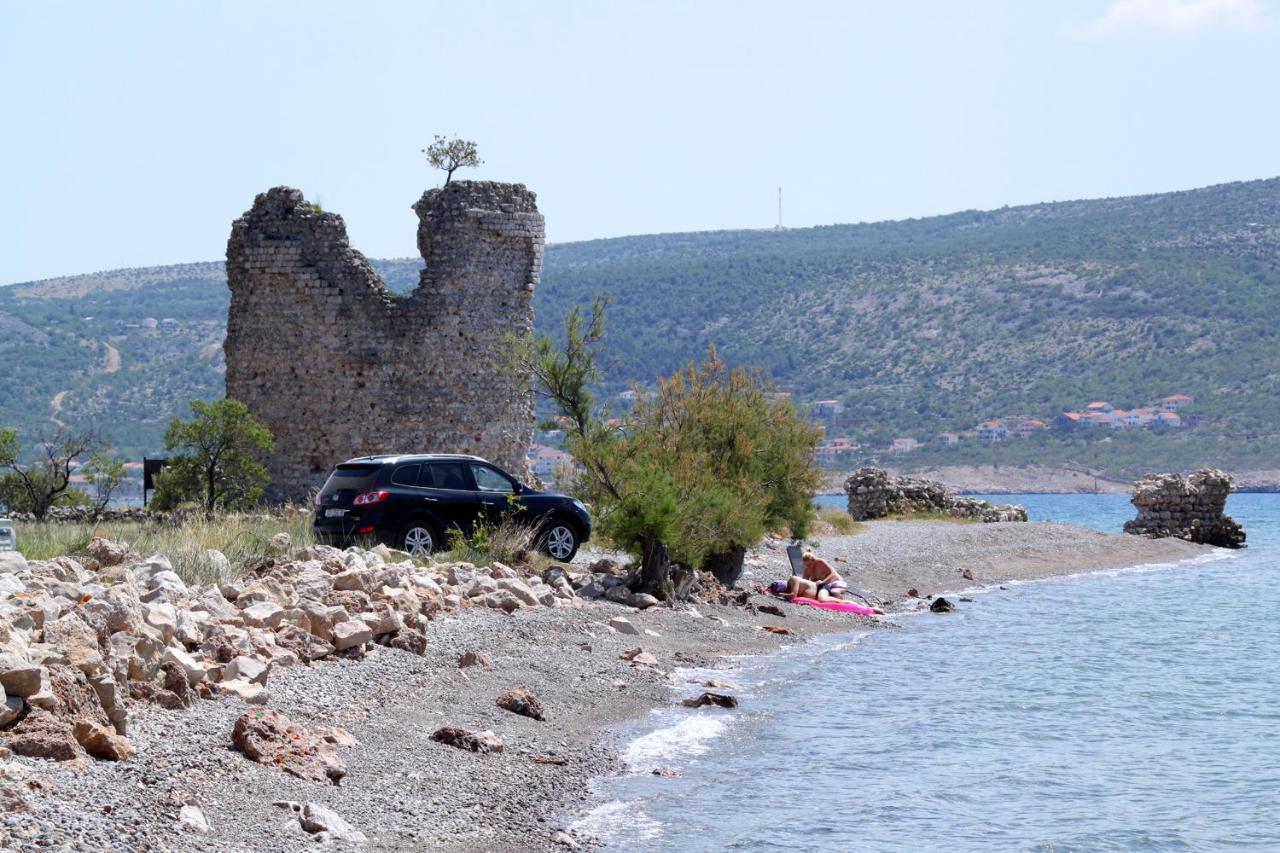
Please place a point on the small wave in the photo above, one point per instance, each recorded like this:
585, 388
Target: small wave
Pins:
690, 736
606, 820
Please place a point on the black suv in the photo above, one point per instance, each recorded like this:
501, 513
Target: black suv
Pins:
413, 502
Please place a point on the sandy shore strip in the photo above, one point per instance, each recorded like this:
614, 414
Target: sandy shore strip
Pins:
406, 792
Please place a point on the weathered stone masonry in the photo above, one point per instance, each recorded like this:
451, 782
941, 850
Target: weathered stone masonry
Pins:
336, 366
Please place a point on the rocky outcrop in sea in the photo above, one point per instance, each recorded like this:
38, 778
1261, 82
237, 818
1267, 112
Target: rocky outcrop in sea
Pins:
1189, 508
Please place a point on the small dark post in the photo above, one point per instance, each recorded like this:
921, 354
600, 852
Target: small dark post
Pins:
150, 467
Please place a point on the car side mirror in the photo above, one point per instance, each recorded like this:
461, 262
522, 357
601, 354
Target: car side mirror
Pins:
518, 488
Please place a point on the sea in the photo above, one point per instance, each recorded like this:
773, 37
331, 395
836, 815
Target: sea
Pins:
1136, 709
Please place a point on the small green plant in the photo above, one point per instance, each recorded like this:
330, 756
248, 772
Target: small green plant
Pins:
490, 543
839, 521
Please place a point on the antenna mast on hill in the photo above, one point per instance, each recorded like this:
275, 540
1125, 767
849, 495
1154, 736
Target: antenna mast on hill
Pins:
779, 208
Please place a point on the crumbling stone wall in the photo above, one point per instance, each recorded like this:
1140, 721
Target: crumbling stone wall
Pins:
336, 366
874, 493
1186, 508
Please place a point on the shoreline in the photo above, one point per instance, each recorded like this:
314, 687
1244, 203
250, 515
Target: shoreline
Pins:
405, 792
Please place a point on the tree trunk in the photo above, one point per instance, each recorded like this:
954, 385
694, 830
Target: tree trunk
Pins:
726, 565
655, 564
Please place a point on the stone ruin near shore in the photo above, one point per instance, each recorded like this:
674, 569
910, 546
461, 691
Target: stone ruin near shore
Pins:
337, 366
1186, 508
874, 493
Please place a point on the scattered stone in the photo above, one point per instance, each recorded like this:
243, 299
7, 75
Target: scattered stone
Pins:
192, 819
522, 701
641, 600
913, 593
772, 610
967, 575
409, 640
467, 659
106, 552
101, 742
777, 629
324, 823
564, 839
718, 684
941, 605
348, 635
19, 677
247, 691
666, 772
721, 700
623, 626
480, 742
271, 738
41, 735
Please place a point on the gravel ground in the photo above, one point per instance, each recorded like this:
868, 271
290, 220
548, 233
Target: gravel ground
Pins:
405, 792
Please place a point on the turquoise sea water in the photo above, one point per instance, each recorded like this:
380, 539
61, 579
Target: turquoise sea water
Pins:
1132, 710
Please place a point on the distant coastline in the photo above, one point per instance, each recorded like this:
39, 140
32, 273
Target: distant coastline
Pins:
1041, 480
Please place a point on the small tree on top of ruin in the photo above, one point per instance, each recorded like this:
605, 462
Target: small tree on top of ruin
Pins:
452, 154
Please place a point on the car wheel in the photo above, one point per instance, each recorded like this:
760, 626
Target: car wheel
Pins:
419, 538
560, 541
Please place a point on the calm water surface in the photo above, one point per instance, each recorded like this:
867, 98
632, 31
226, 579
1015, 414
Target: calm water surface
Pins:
1135, 710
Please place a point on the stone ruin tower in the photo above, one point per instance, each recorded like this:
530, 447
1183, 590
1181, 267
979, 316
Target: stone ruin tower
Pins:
336, 366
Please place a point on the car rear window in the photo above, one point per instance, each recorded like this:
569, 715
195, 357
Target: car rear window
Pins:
405, 475
359, 477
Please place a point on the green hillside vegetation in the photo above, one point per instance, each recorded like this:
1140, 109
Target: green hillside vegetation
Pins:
917, 326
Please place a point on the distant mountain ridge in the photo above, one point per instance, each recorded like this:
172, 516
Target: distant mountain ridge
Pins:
917, 326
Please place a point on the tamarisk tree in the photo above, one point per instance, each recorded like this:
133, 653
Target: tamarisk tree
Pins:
697, 472
37, 487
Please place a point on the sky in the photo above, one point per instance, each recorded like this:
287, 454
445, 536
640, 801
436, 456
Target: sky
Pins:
134, 133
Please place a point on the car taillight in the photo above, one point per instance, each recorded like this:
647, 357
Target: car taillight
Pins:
371, 498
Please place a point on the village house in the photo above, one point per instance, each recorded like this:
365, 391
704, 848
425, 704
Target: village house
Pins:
1168, 419
946, 439
992, 431
547, 463
827, 408
902, 446
836, 451
1175, 402
1028, 426
1099, 406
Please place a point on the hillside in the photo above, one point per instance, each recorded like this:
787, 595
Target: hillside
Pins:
916, 326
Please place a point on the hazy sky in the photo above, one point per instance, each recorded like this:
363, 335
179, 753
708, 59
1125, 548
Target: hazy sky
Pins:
135, 132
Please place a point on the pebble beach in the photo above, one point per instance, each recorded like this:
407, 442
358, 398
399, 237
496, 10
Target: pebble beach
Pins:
405, 791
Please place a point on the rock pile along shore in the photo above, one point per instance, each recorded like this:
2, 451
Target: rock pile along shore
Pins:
874, 493
1189, 508
81, 641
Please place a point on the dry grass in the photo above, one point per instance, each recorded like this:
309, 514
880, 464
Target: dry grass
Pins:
490, 543
934, 515
241, 539
835, 522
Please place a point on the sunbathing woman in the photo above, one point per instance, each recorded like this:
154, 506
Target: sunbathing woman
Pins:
819, 580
